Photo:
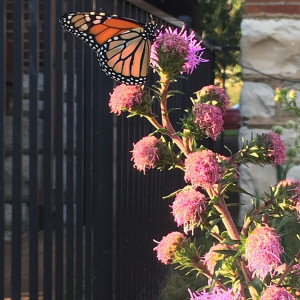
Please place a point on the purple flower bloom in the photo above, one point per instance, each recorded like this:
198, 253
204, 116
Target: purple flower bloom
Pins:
211, 258
124, 97
187, 207
214, 95
202, 169
209, 118
144, 153
215, 294
275, 147
276, 293
167, 247
174, 52
263, 250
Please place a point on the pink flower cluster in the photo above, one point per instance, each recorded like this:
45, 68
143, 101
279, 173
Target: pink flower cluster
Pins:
274, 144
276, 293
215, 294
179, 44
214, 95
187, 208
202, 169
293, 193
263, 250
209, 118
124, 97
144, 153
211, 258
167, 247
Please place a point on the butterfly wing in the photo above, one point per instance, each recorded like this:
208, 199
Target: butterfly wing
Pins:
122, 45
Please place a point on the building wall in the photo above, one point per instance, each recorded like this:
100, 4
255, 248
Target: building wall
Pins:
270, 58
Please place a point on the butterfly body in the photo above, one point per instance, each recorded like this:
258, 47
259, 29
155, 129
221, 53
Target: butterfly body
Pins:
122, 45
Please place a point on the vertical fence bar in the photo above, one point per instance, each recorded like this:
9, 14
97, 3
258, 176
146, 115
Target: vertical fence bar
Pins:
2, 131
59, 154
33, 149
79, 171
47, 149
70, 164
17, 150
79, 275
69, 170
88, 118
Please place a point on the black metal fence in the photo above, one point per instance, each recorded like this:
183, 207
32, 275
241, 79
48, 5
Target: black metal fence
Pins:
76, 220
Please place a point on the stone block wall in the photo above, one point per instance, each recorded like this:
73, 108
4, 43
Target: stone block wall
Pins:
270, 58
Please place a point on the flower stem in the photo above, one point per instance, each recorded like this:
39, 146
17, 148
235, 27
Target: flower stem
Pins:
165, 83
288, 268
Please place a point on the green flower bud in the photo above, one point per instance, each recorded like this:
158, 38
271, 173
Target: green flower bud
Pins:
290, 124
291, 152
277, 129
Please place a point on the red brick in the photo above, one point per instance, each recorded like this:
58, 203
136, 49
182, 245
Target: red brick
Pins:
261, 2
252, 9
283, 9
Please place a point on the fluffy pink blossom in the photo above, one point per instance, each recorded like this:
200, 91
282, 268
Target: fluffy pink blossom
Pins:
215, 294
124, 97
263, 250
276, 293
297, 208
187, 208
180, 46
209, 118
296, 268
274, 144
292, 188
211, 258
144, 153
202, 169
167, 247
214, 95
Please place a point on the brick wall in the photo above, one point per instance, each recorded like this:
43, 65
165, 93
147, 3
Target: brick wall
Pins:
272, 7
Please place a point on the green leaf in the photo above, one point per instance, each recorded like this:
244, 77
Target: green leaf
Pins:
237, 189
215, 277
160, 130
257, 284
229, 241
233, 204
215, 221
175, 92
227, 252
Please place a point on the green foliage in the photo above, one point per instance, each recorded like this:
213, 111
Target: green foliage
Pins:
220, 22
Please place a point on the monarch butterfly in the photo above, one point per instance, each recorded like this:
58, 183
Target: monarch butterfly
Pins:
122, 45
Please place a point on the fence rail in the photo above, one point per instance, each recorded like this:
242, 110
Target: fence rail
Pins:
76, 220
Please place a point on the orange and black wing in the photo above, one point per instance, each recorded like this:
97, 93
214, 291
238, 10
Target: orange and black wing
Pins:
122, 45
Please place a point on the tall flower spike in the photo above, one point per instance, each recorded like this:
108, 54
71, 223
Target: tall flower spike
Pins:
263, 250
176, 52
